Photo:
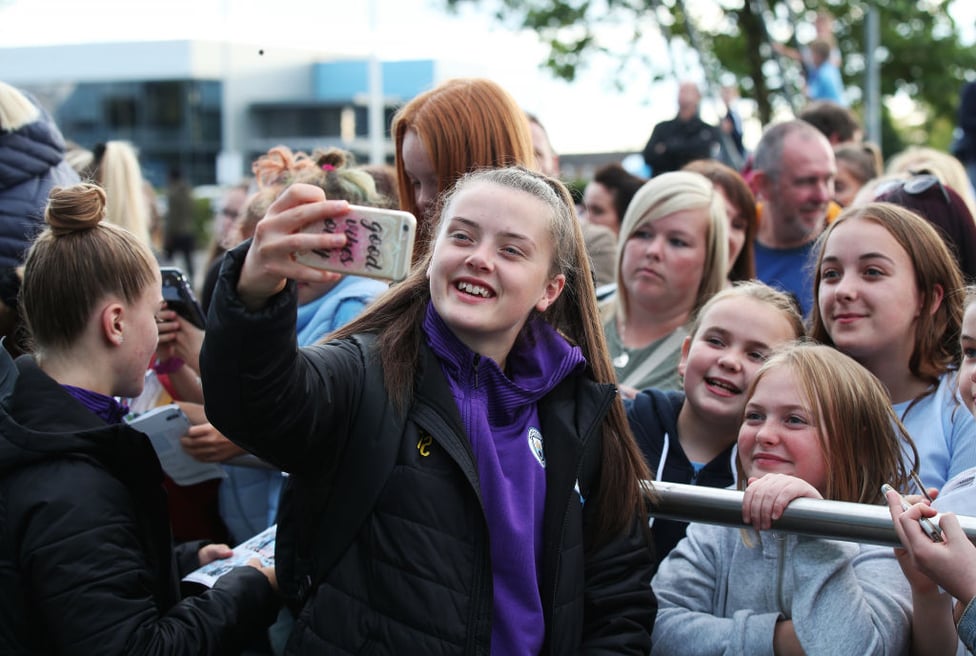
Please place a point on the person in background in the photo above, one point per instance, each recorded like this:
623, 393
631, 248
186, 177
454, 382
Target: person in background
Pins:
227, 210
857, 163
733, 150
689, 436
837, 122
740, 208
793, 178
460, 125
478, 385
684, 138
824, 80
917, 160
131, 202
32, 162
607, 196
964, 146
601, 242
385, 179
941, 206
179, 231
817, 425
87, 563
671, 258
888, 293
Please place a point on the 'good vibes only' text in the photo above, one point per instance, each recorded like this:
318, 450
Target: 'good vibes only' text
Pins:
364, 243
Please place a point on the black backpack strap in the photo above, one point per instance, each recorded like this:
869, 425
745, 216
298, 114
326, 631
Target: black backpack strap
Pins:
328, 514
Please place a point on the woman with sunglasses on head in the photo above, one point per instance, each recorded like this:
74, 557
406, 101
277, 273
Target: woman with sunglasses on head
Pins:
944, 208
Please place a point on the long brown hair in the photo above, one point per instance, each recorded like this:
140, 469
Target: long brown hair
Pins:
397, 319
936, 334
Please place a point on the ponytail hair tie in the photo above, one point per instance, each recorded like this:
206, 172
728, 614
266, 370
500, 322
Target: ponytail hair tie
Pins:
328, 167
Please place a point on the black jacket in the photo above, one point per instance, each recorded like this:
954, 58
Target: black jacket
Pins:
416, 576
674, 143
86, 562
653, 417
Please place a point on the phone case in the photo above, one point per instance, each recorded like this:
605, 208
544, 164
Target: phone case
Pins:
379, 243
179, 296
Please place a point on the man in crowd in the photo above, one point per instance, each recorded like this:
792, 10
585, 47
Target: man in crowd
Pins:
793, 177
684, 138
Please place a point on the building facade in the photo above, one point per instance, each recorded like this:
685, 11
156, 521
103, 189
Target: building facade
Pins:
210, 108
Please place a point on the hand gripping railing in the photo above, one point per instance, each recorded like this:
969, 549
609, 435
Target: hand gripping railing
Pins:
837, 520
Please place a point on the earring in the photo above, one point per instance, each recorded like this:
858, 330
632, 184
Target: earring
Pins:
121, 339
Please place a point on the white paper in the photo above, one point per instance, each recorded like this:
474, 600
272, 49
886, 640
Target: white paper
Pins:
261, 546
958, 495
165, 438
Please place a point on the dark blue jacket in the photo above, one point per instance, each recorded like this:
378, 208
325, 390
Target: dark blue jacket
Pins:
31, 163
653, 417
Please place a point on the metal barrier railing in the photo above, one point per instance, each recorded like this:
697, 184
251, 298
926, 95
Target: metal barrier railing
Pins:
837, 520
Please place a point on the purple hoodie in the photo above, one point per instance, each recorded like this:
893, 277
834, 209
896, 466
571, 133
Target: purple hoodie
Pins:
499, 414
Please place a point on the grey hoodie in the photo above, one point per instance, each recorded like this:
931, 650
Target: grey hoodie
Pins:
718, 595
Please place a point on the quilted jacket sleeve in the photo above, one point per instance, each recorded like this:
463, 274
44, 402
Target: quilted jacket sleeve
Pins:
90, 580
289, 406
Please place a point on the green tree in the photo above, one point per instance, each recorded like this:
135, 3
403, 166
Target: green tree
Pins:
921, 52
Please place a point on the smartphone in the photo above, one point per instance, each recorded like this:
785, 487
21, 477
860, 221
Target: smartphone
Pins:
931, 529
179, 296
379, 243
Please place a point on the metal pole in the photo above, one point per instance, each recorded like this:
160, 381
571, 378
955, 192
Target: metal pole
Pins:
377, 133
872, 77
836, 520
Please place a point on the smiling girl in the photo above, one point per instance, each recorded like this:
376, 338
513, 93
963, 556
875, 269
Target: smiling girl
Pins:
888, 293
464, 433
817, 425
689, 436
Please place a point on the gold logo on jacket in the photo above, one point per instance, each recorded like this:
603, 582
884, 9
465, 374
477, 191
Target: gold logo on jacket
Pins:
423, 445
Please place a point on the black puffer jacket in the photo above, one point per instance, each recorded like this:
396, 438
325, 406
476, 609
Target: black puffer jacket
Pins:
653, 417
31, 163
416, 578
86, 563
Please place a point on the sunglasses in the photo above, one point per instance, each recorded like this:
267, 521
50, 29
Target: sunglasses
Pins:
917, 185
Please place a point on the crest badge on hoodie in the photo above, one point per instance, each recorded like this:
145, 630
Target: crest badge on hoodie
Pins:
535, 445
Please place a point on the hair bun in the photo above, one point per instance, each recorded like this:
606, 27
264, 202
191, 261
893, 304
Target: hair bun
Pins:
75, 208
334, 157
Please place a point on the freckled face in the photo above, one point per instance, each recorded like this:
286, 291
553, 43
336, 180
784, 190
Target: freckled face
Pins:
491, 266
420, 172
